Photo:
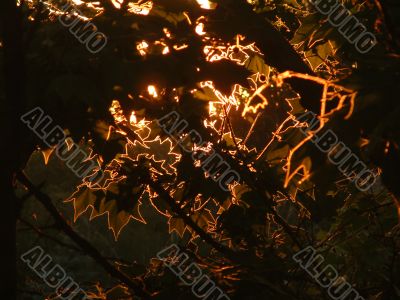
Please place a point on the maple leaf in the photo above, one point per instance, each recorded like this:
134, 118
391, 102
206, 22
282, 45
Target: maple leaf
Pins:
201, 216
120, 200
163, 159
178, 225
120, 193
204, 219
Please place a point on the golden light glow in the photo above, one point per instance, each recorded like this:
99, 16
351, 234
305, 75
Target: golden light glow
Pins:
46, 154
205, 4
249, 107
95, 9
142, 47
165, 50
140, 7
151, 89
237, 53
181, 47
200, 29
167, 32
116, 3
116, 112
212, 109
133, 119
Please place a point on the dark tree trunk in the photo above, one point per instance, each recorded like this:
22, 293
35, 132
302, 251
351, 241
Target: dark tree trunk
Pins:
11, 108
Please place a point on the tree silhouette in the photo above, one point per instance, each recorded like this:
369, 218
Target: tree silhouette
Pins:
193, 113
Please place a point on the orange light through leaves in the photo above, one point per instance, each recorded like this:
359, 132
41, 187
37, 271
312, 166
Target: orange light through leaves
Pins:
151, 89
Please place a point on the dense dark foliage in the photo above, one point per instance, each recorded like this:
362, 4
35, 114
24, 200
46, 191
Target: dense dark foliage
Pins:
236, 74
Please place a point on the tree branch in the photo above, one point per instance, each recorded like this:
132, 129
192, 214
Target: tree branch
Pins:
233, 256
278, 52
136, 287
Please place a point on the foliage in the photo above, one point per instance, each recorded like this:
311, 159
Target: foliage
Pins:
230, 84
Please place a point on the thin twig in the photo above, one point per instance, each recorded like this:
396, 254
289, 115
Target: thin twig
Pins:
43, 234
251, 128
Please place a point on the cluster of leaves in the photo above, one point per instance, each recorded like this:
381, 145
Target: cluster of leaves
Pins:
261, 221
